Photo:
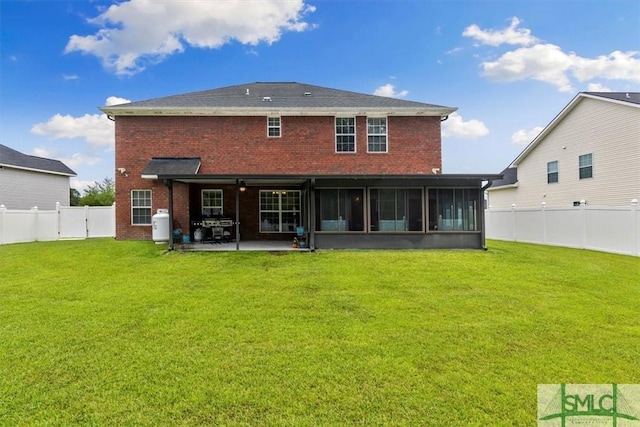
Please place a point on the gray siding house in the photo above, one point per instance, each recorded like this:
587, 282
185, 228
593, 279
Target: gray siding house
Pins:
27, 181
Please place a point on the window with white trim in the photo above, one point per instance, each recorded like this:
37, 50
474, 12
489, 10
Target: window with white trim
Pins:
345, 134
585, 163
552, 172
279, 211
211, 202
377, 134
273, 127
141, 207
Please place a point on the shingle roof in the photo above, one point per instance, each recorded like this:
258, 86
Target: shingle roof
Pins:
172, 166
12, 158
631, 97
509, 177
268, 97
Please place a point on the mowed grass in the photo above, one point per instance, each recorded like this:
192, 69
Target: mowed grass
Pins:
103, 332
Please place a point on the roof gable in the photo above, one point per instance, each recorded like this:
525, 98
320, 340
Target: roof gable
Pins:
274, 98
15, 159
629, 99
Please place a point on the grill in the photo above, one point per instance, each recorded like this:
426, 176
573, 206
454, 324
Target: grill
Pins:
217, 222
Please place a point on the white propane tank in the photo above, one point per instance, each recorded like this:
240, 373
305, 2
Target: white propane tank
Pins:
160, 226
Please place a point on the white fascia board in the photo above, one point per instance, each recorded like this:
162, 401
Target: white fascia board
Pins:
146, 111
502, 187
149, 176
36, 170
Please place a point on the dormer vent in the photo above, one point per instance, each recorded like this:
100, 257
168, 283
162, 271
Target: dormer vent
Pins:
307, 94
266, 99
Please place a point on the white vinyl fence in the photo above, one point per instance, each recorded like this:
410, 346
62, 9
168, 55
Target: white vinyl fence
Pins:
608, 229
65, 222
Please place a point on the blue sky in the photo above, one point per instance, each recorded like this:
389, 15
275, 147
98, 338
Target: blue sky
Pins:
508, 66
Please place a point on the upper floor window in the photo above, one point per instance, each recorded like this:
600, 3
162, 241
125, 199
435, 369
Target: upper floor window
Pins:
211, 202
273, 127
141, 207
585, 163
552, 172
377, 134
345, 134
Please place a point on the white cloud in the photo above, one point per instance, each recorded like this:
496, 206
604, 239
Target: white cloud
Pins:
597, 87
615, 66
96, 129
70, 77
547, 62
76, 159
81, 185
524, 137
456, 127
543, 62
389, 91
136, 33
114, 100
510, 35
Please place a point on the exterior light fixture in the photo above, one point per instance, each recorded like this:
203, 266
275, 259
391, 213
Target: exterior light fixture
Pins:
243, 187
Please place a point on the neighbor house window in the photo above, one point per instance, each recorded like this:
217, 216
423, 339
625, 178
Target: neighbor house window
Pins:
273, 127
585, 163
377, 134
339, 209
345, 134
141, 207
454, 209
395, 209
279, 211
211, 202
552, 172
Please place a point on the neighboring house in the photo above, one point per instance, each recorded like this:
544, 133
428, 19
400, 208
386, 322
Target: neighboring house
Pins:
355, 170
590, 152
28, 181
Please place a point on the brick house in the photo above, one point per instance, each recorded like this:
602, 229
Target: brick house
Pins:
268, 159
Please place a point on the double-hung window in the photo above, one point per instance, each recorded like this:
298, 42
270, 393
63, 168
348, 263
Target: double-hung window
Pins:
345, 134
377, 134
279, 211
211, 202
140, 207
552, 172
273, 127
585, 163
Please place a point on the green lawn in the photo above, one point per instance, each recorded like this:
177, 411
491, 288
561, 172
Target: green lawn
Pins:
101, 332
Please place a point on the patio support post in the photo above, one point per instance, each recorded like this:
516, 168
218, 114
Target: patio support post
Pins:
312, 215
483, 222
237, 214
169, 184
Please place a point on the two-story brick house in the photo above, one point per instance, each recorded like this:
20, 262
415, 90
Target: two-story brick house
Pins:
355, 170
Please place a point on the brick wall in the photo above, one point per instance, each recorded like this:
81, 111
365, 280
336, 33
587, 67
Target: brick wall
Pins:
237, 145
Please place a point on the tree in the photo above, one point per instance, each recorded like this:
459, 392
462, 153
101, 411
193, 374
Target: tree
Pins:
99, 194
74, 197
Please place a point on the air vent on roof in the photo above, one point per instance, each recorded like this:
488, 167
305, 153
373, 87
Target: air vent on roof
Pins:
266, 98
307, 94
247, 92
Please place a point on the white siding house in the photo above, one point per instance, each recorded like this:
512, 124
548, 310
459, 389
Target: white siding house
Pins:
28, 181
590, 152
